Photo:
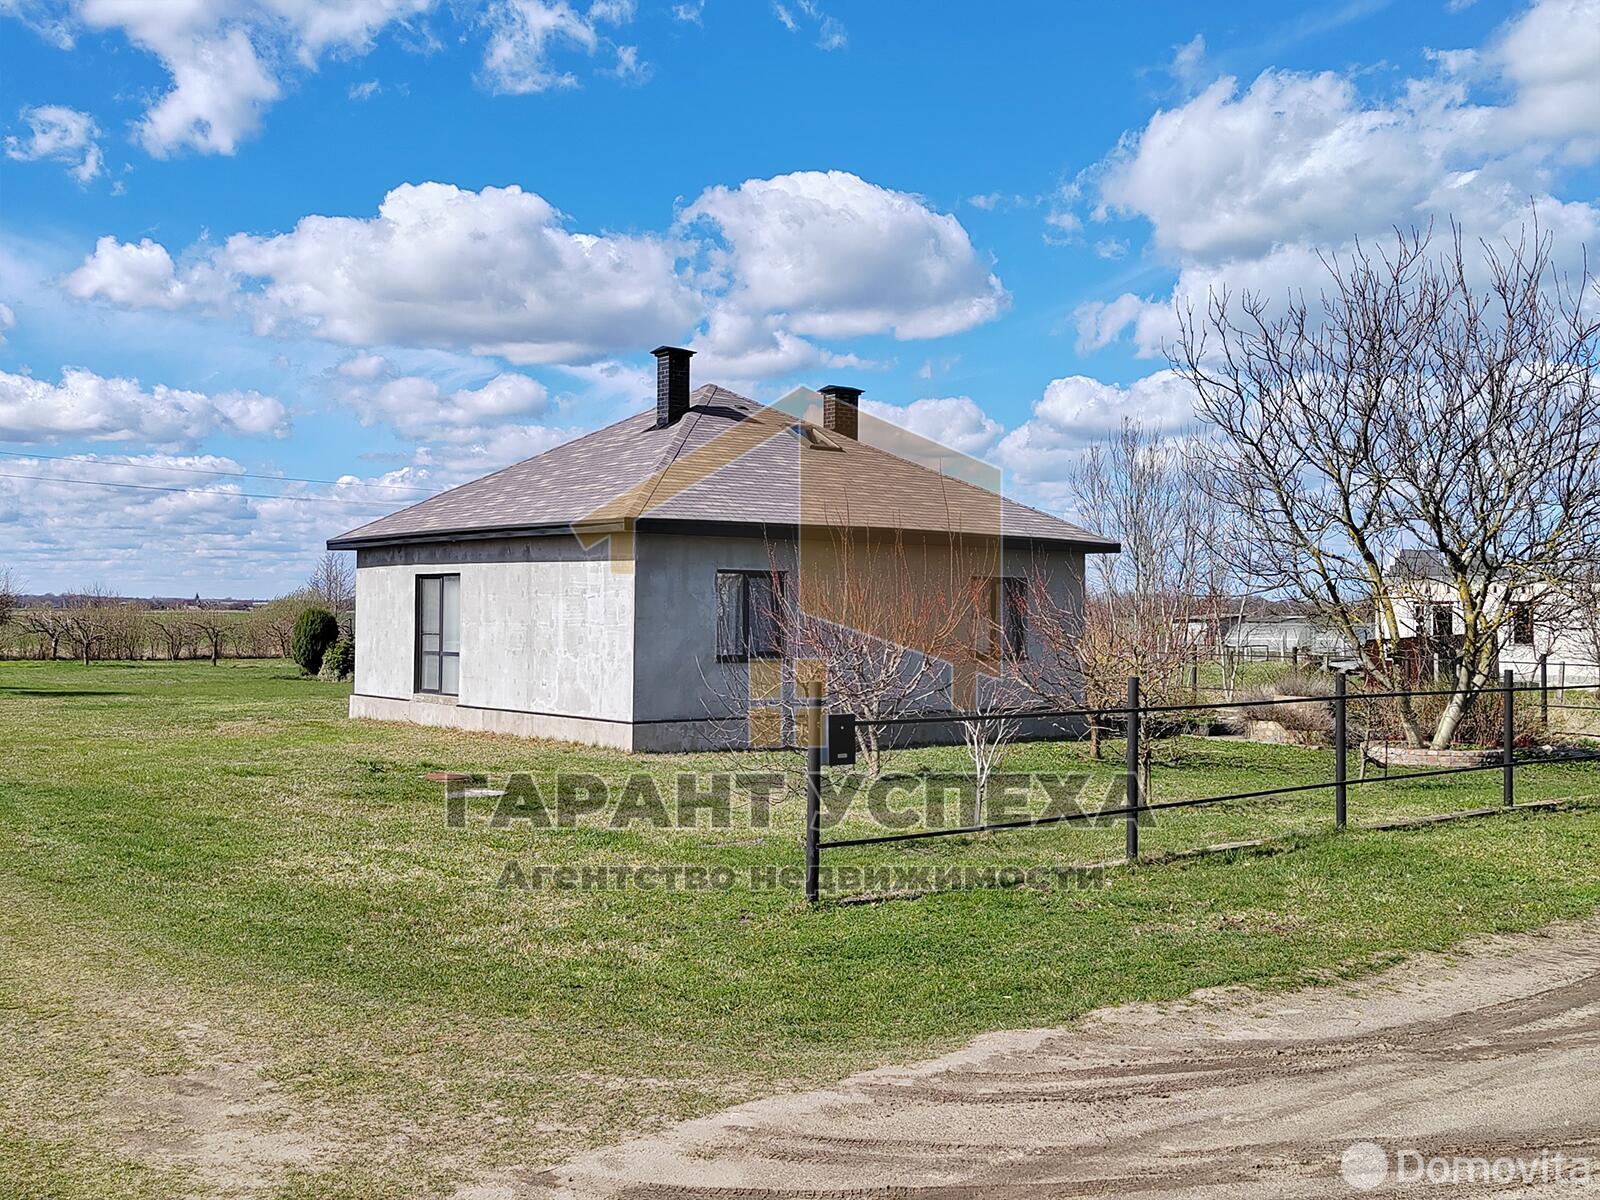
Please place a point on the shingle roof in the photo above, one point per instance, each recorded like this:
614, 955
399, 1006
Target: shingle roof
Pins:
728, 461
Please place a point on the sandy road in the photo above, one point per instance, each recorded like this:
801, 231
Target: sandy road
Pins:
1492, 1054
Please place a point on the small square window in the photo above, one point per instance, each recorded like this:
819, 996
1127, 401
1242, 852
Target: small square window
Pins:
749, 615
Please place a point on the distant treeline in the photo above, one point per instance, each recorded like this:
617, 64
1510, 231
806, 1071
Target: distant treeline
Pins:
93, 628
154, 603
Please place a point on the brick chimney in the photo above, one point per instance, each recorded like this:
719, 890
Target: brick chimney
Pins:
839, 409
672, 384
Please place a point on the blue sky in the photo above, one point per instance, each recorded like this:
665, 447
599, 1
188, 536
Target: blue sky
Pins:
276, 238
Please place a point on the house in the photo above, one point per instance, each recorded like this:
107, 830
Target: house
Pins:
1542, 624
1273, 629
617, 589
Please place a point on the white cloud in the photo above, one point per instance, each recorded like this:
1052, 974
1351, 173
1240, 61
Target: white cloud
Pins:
8, 321
143, 275
416, 407
953, 421
365, 90
1077, 410
806, 16
690, 11
786, 261
1551, 58
1189, 63
96, 408
210, 532
228, 61
62, 135
1243, 185
841, 257
523, 34
494, 270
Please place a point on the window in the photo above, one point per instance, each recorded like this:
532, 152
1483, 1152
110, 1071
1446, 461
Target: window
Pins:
1444, 623
439, 634
1522, 623
1003, 608
749, 615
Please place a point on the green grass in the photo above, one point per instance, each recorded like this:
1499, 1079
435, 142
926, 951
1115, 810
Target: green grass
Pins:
203, 866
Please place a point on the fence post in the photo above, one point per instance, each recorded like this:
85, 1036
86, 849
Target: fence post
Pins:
1340, 762
1544, 689
812, 694
1194, 679
1133, 769
1508, 736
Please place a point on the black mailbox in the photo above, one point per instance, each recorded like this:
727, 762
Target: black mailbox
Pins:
840, 748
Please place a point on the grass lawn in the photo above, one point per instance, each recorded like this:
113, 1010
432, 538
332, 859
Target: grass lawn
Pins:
240, 946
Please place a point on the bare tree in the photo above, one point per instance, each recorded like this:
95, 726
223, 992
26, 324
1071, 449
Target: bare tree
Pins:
1412, 408
8, 595
879, 616
333, 582
1137, 608
87, 620
212, 630
174, 633
47, 624
274, 621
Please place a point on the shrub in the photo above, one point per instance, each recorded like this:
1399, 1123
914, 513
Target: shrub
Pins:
314, 631
1313, 717
339, 662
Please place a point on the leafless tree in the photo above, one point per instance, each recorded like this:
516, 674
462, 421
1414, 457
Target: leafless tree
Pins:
173, 631
879, 615
212, 630
87, 619
274, 621
333, 582
1137, 607
1412, 407
49, 625
8, 595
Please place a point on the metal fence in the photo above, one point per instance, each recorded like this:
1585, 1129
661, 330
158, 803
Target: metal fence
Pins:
831, 740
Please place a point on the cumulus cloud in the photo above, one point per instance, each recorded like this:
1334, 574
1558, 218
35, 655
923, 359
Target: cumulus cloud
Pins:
97, 408
1076, 411
1244, 184
416, 407
841, 257
211, 529
783, 262
59, 134
143, 275
497, 271
953, 421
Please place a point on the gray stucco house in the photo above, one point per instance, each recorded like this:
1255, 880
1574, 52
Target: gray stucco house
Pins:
601, 592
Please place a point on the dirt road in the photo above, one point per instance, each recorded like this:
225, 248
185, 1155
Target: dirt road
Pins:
1492, 1055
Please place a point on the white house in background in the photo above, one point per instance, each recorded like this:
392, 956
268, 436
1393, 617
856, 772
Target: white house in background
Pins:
611, 590
1270, 630
1543, 625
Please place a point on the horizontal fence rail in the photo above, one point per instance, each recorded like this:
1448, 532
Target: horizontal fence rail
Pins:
1136, 804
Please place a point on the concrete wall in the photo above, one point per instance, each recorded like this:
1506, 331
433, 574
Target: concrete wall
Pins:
547, 631
683, 697
556, 642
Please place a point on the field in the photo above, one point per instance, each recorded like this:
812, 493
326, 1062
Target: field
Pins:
242, 951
